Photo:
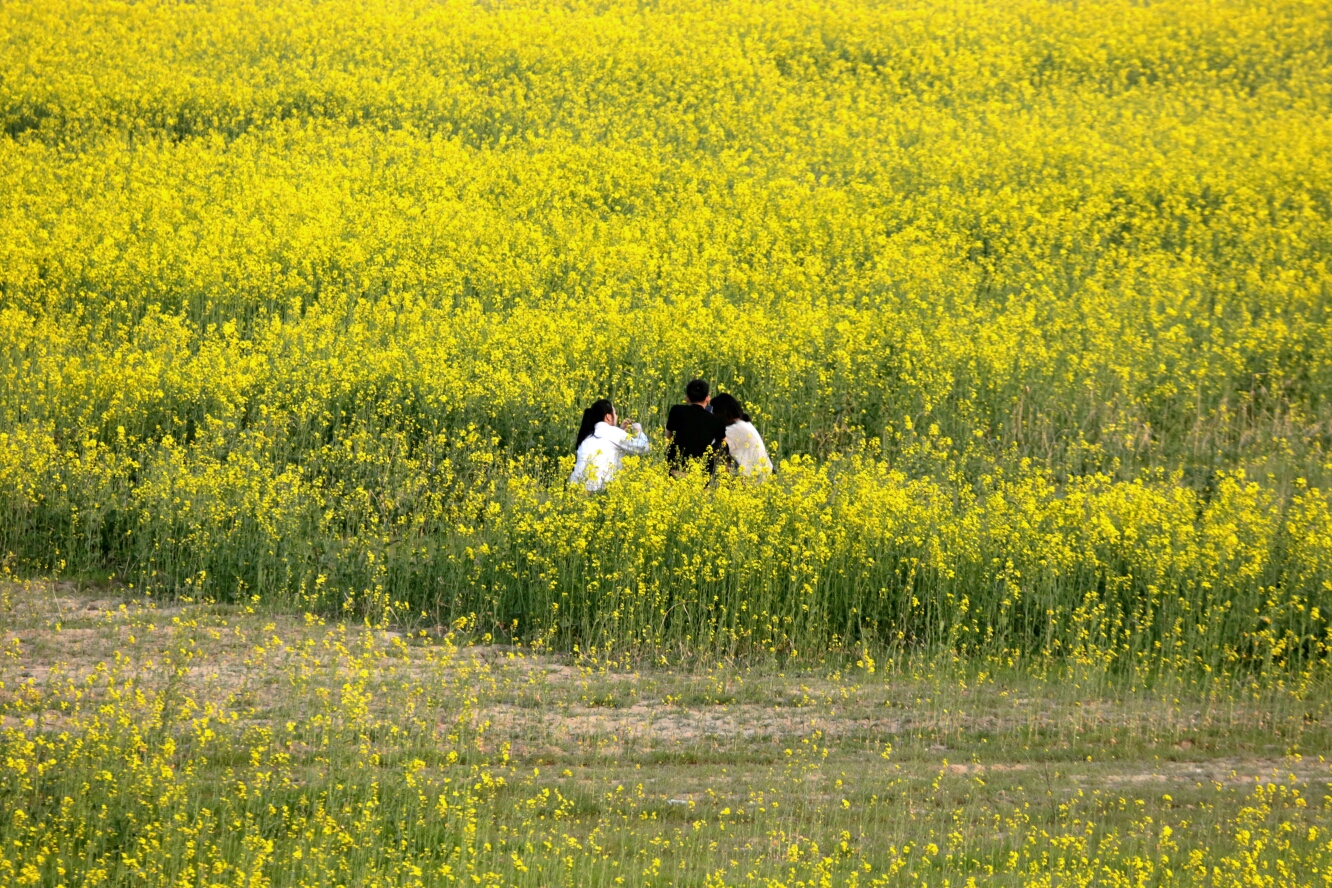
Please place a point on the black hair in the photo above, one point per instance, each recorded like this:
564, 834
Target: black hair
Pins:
696, 391
591, 416
728, 409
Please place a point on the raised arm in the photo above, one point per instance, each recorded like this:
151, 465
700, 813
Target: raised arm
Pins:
637, 443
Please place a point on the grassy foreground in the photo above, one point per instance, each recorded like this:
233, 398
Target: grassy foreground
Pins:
213, 745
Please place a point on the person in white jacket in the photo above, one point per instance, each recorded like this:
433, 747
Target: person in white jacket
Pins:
602, 444
743, 442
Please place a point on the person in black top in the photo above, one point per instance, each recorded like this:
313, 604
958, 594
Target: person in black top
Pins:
692, 430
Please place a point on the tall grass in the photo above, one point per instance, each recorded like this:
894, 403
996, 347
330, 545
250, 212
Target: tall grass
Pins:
826, 555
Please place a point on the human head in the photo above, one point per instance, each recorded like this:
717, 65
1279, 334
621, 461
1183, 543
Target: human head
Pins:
696, 392
600, 411
728, 409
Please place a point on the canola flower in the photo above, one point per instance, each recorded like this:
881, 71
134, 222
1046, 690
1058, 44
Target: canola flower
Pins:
302, 299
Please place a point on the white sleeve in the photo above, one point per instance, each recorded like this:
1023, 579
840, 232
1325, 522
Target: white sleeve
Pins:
637, 445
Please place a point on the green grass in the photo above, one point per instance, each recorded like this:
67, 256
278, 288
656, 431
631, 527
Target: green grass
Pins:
734, 769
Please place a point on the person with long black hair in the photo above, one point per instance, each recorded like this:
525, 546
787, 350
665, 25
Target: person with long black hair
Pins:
602, 443
743, 441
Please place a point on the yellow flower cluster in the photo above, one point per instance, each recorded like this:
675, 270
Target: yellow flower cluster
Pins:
1030, 301
1100, 572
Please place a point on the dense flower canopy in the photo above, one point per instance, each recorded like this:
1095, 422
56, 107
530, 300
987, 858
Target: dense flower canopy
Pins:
1033, 298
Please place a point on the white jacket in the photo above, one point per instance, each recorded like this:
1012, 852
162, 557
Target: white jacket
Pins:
600, 453
747, 449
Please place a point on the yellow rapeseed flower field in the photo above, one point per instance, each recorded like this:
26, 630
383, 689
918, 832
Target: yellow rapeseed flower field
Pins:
1030, 300
301, 302
300, 305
